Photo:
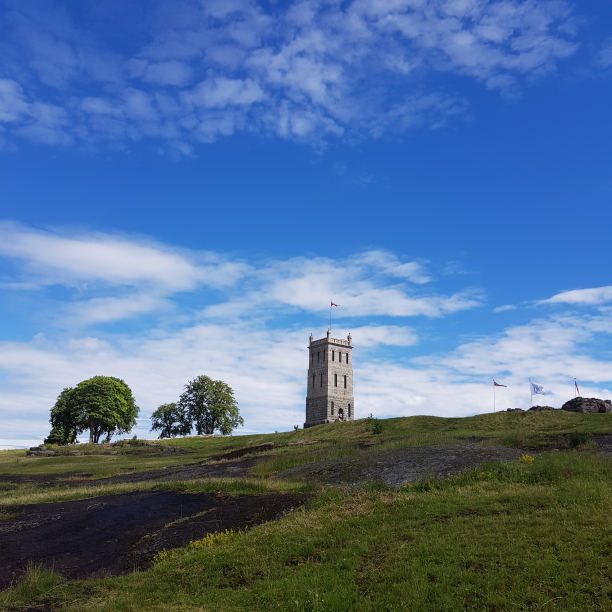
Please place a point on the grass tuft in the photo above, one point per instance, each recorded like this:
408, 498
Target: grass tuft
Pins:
38, 589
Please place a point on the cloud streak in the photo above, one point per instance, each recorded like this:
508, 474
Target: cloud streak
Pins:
115, 277
586, 297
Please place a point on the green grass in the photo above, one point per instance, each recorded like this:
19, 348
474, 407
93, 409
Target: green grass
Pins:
28, 494
513, 536
337, 440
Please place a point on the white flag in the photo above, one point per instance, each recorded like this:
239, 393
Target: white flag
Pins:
536, 389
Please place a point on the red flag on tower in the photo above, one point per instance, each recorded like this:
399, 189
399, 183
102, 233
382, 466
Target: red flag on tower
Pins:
497, 384
333, 304
577, 389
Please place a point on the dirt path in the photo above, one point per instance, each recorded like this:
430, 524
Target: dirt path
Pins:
400, 466
116, 534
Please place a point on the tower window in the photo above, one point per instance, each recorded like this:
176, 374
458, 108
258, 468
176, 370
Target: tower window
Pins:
332, 408
340, 356
318, 357
349, 411
345, 382
335, 380
324, 355
321, 380
333, 355
346, 357
313, 379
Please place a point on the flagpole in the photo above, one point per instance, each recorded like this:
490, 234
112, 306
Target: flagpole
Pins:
531, 392
575, 389
330, 316
493, 397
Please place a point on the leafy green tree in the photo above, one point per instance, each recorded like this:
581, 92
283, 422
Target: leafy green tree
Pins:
107, 407
209, 405
169, 420
64, 419
103, 404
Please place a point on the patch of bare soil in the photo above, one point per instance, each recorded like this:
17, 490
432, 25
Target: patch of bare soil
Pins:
400, 466
116, 534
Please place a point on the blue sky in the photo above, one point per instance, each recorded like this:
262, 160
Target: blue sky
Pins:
186, 185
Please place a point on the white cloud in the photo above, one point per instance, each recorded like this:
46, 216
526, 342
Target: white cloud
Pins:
504, 308
604, 57
459, 383
48, 124
89, 258
119, 277
109, 309
376, 335
221, 92
13, 105
307, 71
364, 284
591, 297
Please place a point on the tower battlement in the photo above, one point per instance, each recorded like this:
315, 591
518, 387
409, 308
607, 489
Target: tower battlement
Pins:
329, 395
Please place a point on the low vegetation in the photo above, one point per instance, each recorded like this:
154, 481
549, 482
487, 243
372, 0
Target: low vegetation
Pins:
515, 536
531, 534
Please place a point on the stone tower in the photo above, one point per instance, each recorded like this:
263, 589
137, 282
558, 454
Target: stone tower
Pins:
330, 381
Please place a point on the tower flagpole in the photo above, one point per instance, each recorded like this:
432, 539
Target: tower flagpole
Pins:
331, 303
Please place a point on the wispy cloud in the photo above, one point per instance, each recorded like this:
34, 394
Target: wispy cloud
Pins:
117, 277
603, 58
308, 71
504, 308
590, 297
61, 258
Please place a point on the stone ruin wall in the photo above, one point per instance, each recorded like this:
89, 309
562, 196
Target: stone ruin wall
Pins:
587, 405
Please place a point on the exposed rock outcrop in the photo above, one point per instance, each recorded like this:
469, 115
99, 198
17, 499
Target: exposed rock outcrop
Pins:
587, 405
540, 408
260, 448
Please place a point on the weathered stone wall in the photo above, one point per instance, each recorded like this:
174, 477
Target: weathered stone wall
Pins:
316, 411
587, 405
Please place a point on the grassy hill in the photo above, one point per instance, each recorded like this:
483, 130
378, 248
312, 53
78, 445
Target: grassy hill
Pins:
525, 535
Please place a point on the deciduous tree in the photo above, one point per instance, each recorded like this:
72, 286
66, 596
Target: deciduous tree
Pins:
103, 404
169, 420
64, 419
209, 405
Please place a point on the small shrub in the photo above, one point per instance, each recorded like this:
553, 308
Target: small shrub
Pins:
296, 428
375, 425
577, 438
527, 458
